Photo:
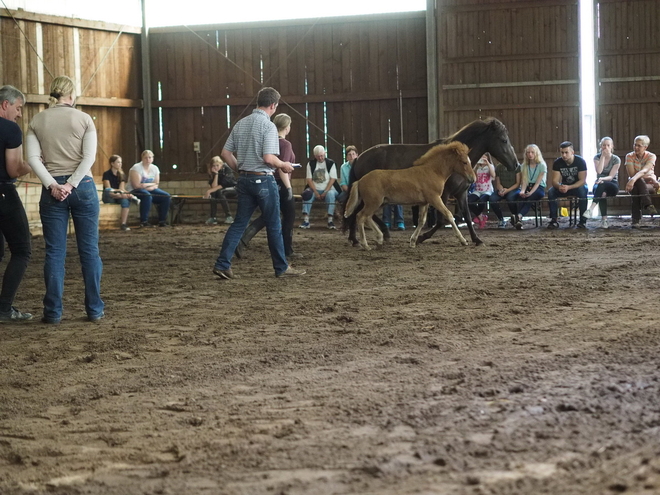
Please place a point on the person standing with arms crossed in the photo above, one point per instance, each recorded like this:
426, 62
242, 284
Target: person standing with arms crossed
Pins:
255, 141
13, 220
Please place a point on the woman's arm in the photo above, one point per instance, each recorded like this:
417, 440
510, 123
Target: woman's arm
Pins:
89, 155
34, 159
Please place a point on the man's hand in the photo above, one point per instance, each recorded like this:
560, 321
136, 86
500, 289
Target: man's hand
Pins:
287, 168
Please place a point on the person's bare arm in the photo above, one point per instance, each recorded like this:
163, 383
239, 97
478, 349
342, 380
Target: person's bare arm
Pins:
15, 164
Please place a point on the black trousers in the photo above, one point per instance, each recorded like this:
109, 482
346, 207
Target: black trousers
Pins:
15, 229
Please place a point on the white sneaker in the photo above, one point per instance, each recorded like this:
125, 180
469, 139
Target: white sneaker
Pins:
604, 224
229, 219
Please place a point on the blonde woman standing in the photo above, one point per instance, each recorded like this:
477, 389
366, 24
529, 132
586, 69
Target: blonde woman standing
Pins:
61, 146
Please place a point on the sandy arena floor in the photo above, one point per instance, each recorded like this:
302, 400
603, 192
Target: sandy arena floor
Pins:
529, 365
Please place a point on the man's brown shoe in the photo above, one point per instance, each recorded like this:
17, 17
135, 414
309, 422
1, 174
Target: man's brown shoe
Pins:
224, 274
291, 272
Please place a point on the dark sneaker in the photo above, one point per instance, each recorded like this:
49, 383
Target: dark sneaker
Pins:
163, 224
650, 210
125, 227
146, 225
553, 225
49, 321
635, 225
94, 319
295, 256
291, 272
581, 225
304, 225
224, 274
331, 226
14, 316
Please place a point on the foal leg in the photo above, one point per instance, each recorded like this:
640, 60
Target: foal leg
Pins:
423, 210
377, 231
361, 219
440, 206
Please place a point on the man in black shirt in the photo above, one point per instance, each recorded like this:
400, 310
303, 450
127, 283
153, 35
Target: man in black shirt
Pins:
13, 220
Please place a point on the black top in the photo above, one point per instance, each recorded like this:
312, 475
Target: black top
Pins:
11, 137
112, 178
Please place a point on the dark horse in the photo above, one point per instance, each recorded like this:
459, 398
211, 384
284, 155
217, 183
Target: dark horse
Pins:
480, 136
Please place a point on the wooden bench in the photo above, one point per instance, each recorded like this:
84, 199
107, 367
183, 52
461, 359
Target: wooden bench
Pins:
179, 201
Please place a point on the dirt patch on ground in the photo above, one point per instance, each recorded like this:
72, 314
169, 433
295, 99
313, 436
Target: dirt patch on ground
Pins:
528, 365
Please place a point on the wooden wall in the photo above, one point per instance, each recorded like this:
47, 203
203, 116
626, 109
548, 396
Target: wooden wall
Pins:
103, 59
517, 61
628, 73
354, 80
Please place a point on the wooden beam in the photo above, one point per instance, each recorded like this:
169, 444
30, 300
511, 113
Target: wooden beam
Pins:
292, 100
241, 26
68, 21
90, 101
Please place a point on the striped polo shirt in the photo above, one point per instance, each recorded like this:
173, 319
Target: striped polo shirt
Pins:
251, 138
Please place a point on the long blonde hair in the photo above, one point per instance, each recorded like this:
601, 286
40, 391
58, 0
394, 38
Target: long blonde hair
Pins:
538, 159
59, 87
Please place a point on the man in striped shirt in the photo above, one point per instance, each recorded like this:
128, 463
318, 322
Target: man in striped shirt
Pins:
255, 142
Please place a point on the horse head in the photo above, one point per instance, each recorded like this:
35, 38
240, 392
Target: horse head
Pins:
452, 158
489, 135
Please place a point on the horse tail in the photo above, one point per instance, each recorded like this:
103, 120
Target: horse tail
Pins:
353, 200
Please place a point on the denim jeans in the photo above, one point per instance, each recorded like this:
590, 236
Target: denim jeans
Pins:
608, 188
525, 204
288, 209
255, 191
83, 206
330, 199
579, 192
398, 214
510, 199
107, 199
15, 229
158, 197
477, 203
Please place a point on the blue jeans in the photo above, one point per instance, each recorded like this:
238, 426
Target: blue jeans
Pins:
580, 193
83, 206
14, 226
525, 204
158, 197
255, 191
398, 214
107, 199
510, 199
330, 199
477, 203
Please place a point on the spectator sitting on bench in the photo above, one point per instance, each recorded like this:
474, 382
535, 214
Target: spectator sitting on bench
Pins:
114, 189
507, 187
640, 165
321, 180
607, 166
532, 183
569, 174
222, 185
145, 178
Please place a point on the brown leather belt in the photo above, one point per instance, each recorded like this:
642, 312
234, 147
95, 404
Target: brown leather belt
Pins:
247, 172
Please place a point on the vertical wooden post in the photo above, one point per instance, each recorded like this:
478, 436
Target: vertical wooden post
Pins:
146, 80
433, 96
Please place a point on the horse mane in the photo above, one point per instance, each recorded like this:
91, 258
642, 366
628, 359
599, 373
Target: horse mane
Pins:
474, 128
455, 146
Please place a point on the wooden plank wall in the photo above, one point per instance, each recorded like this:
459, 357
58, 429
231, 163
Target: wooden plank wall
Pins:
517, 61
628, 73
104, 58
342, 80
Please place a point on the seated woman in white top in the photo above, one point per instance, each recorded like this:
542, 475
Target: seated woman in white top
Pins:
144, 178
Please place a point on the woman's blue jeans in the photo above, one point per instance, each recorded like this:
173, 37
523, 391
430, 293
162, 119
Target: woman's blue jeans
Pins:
83, 206
158, 197
255, 191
